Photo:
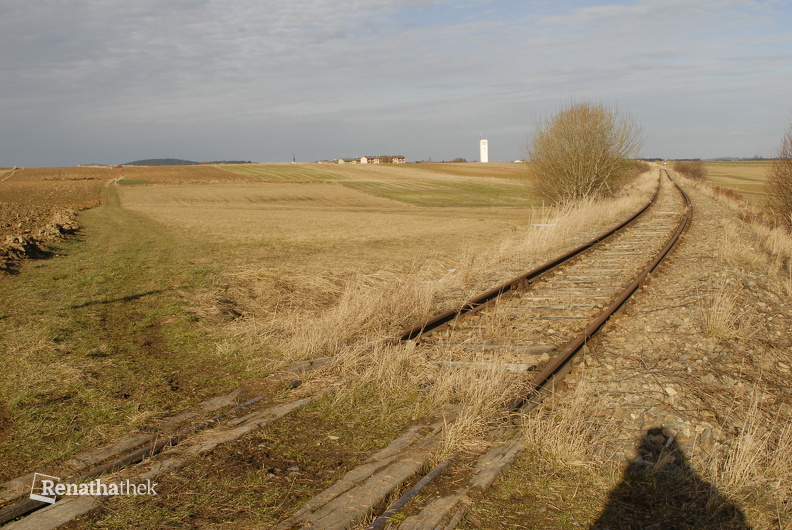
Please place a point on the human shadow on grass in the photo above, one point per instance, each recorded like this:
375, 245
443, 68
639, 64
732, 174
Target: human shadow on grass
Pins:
660, 491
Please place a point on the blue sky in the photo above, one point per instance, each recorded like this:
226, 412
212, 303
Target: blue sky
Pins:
108, 81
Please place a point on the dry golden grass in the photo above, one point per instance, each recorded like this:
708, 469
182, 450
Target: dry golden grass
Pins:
566, 438
723, 313
770, 249
757, 467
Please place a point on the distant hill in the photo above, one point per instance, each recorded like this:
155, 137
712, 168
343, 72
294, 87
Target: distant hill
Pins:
180, 162
162, 162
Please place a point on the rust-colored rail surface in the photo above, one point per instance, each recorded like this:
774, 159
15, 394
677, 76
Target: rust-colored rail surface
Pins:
536, 322
548, 315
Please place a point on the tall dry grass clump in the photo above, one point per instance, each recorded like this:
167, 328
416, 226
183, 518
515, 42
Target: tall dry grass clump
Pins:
758, 461
723, 312
779, 183
566, 435
554, 228
401, 379
369, 306
583, 151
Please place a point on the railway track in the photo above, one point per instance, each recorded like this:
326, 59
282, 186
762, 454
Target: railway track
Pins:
539, 322
532, 326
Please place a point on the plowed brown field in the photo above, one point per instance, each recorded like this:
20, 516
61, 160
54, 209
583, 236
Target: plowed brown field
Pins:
29, 196
174, 174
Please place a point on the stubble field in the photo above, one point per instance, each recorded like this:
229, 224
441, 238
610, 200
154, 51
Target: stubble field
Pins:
746, 178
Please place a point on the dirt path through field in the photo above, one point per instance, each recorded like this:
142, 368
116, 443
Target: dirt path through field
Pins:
9, 174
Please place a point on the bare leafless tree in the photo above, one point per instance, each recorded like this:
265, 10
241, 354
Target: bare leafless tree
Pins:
583, 151
779, 182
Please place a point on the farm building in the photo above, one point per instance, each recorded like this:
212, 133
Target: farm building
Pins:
383, 159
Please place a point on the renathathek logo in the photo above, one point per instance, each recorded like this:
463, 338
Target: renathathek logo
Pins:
46, 488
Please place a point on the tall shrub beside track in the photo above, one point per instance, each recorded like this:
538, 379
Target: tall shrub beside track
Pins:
779, 183
583, 151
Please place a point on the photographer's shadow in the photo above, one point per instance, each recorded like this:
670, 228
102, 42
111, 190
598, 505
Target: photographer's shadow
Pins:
660, 491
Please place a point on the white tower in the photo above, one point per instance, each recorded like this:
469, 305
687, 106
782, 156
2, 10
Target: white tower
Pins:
484, 151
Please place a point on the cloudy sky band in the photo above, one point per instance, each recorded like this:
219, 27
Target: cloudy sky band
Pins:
112, 81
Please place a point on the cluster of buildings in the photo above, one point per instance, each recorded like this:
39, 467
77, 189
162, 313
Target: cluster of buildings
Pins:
382, 159
398, 159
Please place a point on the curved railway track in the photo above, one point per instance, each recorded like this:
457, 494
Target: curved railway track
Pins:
539, 321
533, 326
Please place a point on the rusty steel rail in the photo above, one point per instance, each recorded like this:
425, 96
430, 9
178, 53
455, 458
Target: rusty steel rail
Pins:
568, 352
478, 302
555, 366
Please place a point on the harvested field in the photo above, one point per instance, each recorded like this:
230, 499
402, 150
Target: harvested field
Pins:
281, 172
39, 174
465, 185
281, 221
492, 170
746, 178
